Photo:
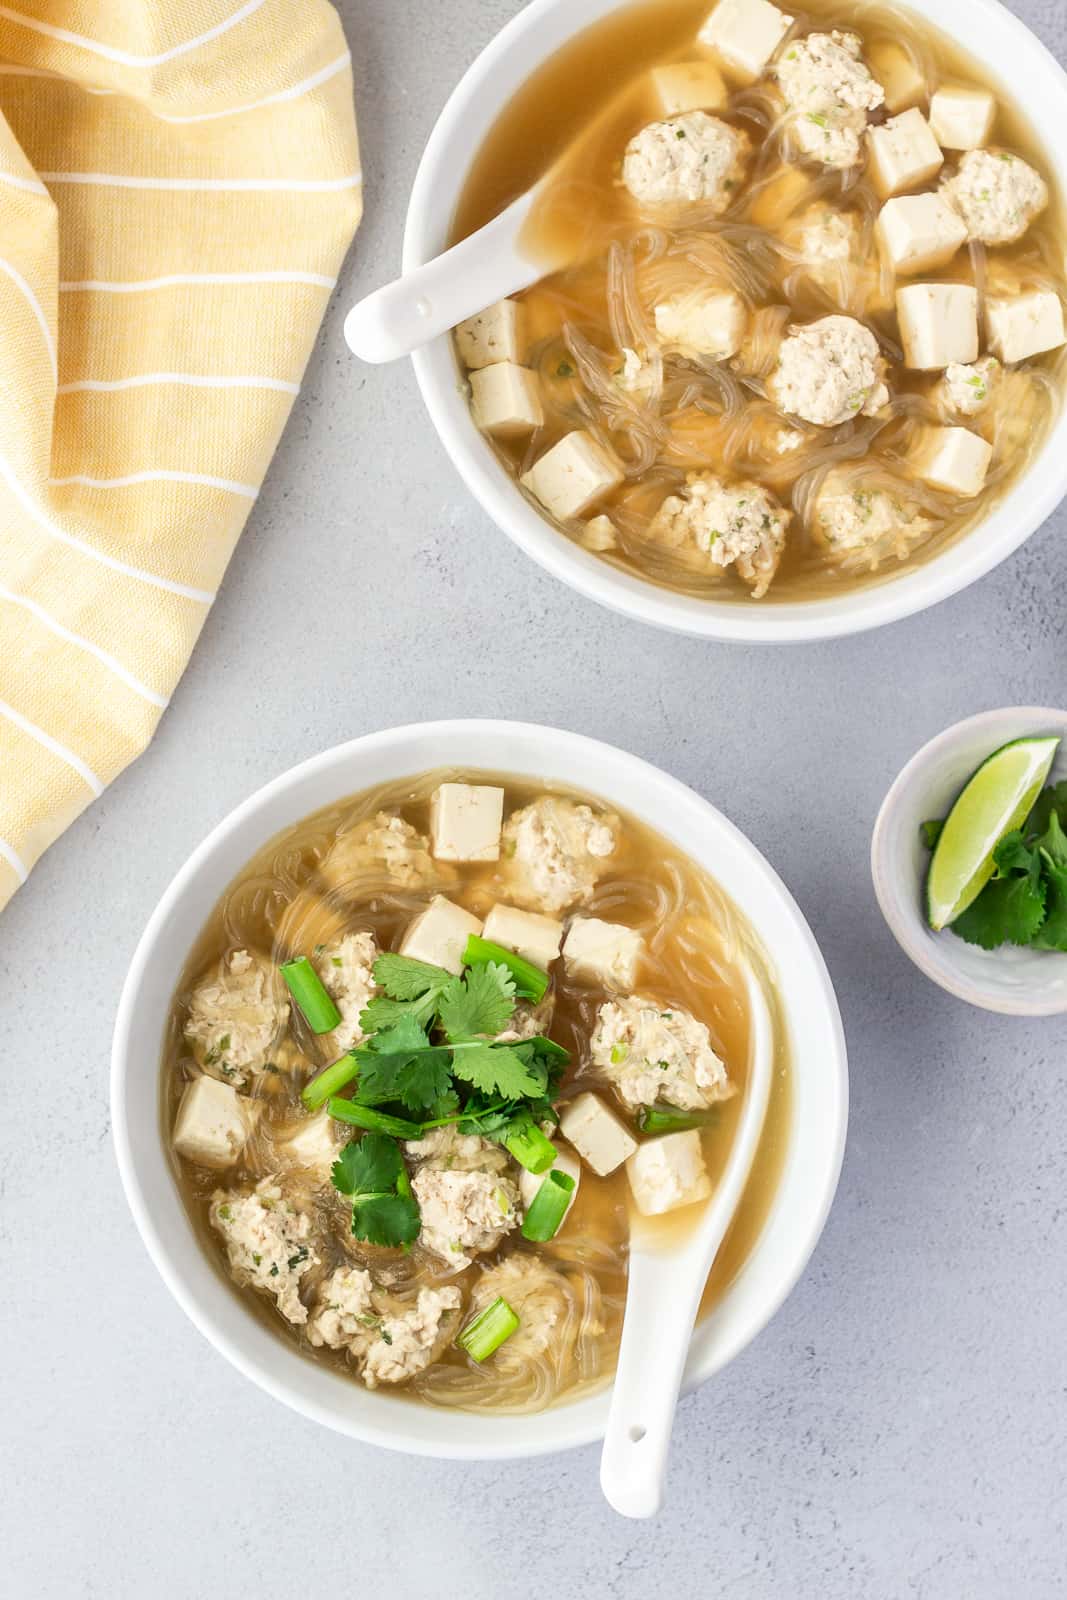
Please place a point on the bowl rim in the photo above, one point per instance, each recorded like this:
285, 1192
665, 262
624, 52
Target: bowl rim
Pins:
569, 1425
914, 589
910, 931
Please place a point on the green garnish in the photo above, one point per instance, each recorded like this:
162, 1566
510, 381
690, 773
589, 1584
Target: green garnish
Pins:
1025, 901
358, 1116
330, 1081
619, 1052
371, 1172
431, 1055
818, 118
671, 1119
548, 1208
482, 1337
529, 1147
530, 982
564, 370
308, 990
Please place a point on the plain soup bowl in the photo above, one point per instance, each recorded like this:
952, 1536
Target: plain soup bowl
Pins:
1010, 54
808, 1006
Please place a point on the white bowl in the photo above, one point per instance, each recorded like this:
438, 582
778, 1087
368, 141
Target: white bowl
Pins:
1019, 983
996, 39
818, 1050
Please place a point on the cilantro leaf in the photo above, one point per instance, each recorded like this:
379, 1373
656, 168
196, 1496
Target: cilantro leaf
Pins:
496, 1070
390, 1220
367, 1165
1052, 934
381, 1012
404, 1037
1050, 800
371, 1171
404, 978
420, 1079
480, 1005
1011, 907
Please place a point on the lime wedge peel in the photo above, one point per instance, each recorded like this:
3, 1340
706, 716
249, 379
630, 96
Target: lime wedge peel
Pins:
998, 798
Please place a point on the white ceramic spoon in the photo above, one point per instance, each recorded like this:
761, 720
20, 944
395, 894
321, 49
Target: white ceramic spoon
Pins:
666, 1282
487, 267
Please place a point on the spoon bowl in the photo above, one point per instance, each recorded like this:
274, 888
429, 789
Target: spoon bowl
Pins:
666, 1283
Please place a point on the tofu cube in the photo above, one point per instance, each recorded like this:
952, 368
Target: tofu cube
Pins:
214, 1123
744, 34
602, 1140
668, 1173
903, 153
534, 937
530, 1182
603, 952
572, 475
496, 334
600, 534
315, 1144
689, 86
902, 79
952, 458
1024, 325
465, 821
702, 324
938, 324
439, 935
962, 119
919, 232
506, 400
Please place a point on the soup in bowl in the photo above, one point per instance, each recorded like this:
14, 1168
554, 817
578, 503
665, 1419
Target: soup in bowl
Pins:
800, 367
414, 1034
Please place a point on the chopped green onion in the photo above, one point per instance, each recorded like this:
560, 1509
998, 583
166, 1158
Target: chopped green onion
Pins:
488, 1331
669, 1119
330, 1081
358, 1116
307, 989
548, 1208
530, 1148
530, 982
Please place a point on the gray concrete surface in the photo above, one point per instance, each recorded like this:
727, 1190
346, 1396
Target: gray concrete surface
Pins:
899, 1430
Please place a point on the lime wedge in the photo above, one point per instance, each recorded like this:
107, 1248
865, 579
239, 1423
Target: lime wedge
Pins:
997, 799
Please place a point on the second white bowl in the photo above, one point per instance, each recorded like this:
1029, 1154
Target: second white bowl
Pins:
1009, 52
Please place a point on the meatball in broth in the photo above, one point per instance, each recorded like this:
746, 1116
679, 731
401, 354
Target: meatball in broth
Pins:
433, 1049
804, 244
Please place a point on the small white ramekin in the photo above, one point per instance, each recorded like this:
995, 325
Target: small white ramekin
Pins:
820, 1076
1020, 983
1010, 53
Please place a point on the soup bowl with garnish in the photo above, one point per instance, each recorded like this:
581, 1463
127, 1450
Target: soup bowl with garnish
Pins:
796, 364
413, 1034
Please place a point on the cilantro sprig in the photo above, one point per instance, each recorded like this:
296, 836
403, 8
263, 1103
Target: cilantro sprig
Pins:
371, 1172
1025, 901
432, 1055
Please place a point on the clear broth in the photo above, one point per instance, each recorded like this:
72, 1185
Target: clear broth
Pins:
576, 114
282, 906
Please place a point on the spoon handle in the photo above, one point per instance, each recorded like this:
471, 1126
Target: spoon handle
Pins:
476, 273
661, 1308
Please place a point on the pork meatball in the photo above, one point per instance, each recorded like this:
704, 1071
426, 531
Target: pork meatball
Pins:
347, 972
829, 372
554, 852
381, 847
691, 159
235, 1017
997, 194
850, 517
828, 92
268, 1242
541, 1298
648, 1052
965, 390
740, 525
389, 1341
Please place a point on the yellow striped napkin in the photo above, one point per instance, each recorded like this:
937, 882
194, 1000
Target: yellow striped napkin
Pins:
179, 181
